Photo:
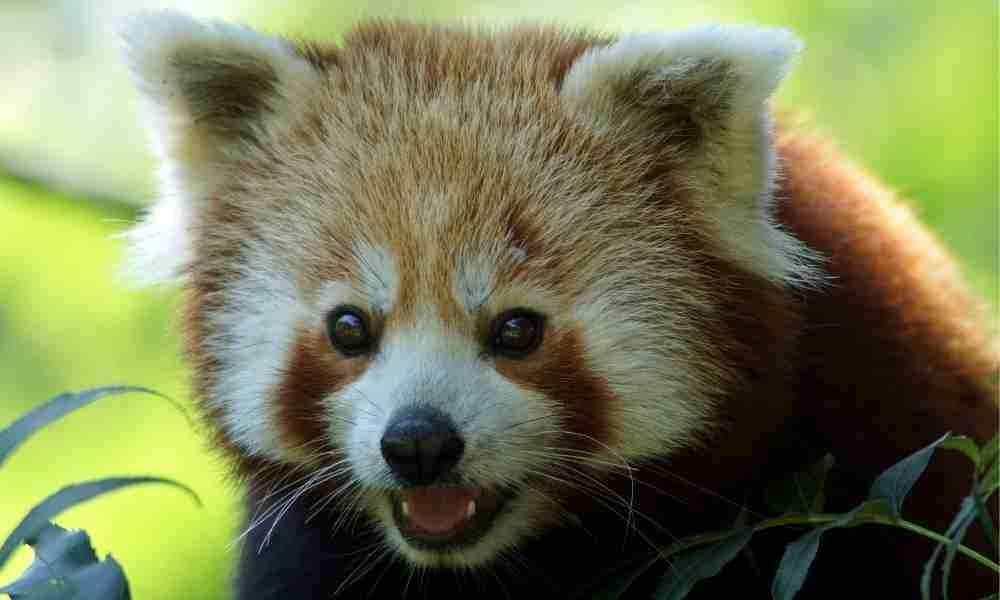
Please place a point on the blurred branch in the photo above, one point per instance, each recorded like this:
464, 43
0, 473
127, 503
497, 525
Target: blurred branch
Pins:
51, 176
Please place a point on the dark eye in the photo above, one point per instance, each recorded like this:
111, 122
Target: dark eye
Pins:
349, 332
517, 332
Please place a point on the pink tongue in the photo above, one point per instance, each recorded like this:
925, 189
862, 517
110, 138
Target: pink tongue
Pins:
438, 509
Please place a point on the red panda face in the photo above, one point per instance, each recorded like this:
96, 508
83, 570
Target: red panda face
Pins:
461, 275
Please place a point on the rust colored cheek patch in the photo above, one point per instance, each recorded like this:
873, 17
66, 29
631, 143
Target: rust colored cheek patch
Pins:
559, 370
314, 371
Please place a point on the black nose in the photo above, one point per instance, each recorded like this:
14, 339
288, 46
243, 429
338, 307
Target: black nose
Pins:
421, 444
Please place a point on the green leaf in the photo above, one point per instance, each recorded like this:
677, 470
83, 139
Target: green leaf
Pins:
38, 518
66, 568
795, 564
966, 446
990, 451
800, 554
861, 514
955, 532
23, 428
696, 564
989, 480
619, 586
989, 528
802, 492
895, 483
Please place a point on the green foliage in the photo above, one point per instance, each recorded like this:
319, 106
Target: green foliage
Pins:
21, 429
973, 508
802, 492
801, 495
896, 482
699, 563
65, 565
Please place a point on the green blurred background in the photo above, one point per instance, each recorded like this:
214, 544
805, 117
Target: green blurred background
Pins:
909, 89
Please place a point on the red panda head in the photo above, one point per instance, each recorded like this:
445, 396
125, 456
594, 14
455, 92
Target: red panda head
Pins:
461, 273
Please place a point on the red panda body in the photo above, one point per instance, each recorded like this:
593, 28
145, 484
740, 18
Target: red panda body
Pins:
498, 312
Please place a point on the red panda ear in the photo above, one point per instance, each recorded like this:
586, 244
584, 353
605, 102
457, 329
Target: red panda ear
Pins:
212, 85
213, 90
702, 84
701, 94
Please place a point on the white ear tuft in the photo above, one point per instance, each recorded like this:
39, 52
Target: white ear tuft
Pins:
703, 93
220, 79
212, 91
713, 74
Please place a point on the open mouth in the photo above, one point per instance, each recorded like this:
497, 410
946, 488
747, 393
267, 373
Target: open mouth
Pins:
439, 517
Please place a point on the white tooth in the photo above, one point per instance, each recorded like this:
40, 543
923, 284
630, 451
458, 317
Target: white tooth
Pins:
471, 510
406, 508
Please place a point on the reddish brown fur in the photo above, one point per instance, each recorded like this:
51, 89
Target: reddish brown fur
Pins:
314, 372
563, 375
896, 350
884, 359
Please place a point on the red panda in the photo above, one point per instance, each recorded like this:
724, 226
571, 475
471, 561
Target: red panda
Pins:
492, 311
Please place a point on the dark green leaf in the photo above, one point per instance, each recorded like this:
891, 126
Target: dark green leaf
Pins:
990, 480
989, 452
956, 530
895, 483
965, 445
861, 513
38, 518
702, 562
802, 492
620, 585
989, 528
795, 564
800, 554
23, 428
66, 568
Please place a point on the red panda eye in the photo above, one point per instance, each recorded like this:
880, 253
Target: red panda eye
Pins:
517, 332
347, 328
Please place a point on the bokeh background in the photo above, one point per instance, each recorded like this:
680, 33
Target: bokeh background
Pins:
909, 89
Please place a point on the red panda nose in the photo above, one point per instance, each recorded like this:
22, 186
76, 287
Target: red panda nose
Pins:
421, 445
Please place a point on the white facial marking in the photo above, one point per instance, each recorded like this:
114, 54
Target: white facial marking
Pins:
255, 332
657, 377
499, 422
473, 281
379, 275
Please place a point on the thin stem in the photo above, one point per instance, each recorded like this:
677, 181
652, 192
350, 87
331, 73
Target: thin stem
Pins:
823, 519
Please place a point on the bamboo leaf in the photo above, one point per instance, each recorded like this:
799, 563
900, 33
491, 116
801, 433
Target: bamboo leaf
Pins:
66, 568
990, 451
895, 483
38, 518
621, 585
795, 563
696, 564
956, 531
958, 525
966, 446
51, 410
989, 528
800, 554
990, 480
802, 492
